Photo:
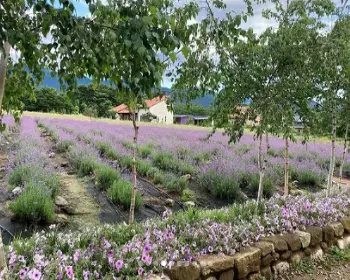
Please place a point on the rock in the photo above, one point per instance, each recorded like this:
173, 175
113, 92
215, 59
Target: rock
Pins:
280, 268
184, 270
324, 245
64, 164
316, 253
293, 241
212, 264
296, 257
267, 260
61, 219
286, 255
265, 247
227, 275
266, 273
187, 177
304, 237
307, 252
2, 168
60, 201
246, 262
338, 229
344, 242
276, 256
346, 224
254, 276
169, 202
52, 155
328, 234
17, 191
278, 242
211, 278
189, 204
316, 235
154, 277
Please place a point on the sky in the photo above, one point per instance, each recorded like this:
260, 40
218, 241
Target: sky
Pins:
257, 22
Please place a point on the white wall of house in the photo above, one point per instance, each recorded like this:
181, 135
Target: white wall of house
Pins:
163, 114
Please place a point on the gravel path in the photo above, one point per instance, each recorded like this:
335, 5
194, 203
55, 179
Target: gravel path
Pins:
339, 272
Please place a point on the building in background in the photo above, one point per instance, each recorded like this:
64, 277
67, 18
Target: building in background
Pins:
155, 110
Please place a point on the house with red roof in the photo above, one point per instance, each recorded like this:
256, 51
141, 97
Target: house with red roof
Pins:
155, 108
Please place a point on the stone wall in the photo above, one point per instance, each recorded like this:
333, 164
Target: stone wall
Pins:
270, 257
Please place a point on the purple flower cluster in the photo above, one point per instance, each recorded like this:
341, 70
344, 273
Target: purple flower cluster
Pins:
119, 251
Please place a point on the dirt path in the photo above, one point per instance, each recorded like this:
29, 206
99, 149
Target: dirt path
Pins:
339, 272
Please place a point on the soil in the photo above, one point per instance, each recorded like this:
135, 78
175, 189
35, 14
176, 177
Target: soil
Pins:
328, 269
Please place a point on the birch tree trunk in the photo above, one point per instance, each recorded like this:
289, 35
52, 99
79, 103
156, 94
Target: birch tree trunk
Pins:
344, 152
3, 71
286, 168
331, 164
134, 173
261, 166
267, 142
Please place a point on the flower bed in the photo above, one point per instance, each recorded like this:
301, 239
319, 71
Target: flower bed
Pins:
122, 251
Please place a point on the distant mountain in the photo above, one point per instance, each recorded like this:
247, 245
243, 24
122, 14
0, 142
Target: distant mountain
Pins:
53, 82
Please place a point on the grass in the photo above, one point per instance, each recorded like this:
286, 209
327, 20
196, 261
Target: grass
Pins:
187, 195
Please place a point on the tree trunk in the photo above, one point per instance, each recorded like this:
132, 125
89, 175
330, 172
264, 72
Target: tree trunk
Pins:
134, 153
286, 169
3, 71
261, 166
331, 164
267, 142
344, 152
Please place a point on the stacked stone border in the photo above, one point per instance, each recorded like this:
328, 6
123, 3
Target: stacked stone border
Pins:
269, 258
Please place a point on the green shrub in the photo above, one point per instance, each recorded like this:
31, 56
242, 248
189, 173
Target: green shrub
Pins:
184, 168
34, 204
120, 193
28, 173
164, 161
187, 195
87, 166
152, 172
158, 178
176, 184
144, 151
307, 177
253, 186
63, 146
202, 157
103, 147
82, 161
142, 167
96, 132
272, 152
105, 176
127, 144
221, 186
126, 161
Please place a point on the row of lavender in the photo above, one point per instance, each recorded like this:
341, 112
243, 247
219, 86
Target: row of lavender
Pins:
221, 168
86, 161
132, 252
30, 174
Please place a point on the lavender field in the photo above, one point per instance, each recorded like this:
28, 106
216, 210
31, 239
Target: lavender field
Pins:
179, 163
222, 169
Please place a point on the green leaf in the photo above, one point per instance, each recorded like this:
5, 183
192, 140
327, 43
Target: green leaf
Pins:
185, 51
153, 10
127, 43
173, 56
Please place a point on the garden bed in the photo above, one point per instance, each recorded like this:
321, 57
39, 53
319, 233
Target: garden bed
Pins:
156, 245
